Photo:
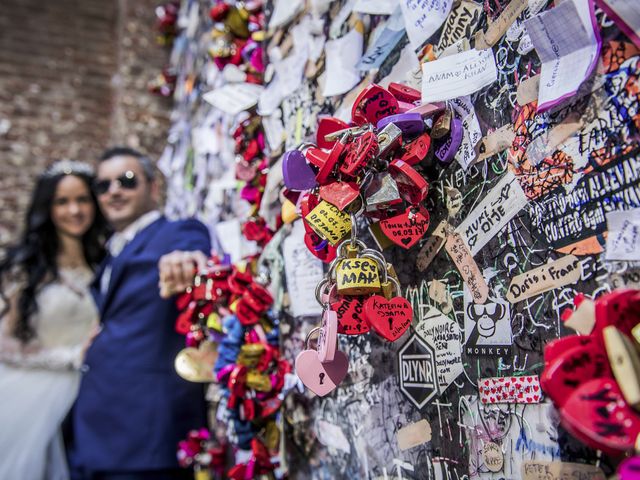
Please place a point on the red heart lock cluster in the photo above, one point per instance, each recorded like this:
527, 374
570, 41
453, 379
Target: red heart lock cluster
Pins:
594, 379
373, 167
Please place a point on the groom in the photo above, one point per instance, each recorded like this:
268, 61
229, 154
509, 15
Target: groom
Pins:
132, 407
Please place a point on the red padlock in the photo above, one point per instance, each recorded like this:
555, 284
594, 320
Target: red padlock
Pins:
327, 125
412, 186
555, 348
573, 367
185, 319
246, 315
597, 414
326, 169
372, 104
237, 385
405, 92
417, 150
320, 248
360, 152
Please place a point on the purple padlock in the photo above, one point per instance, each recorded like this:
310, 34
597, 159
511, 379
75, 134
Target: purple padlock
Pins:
448, 149
298, 175
629, 469
411, 124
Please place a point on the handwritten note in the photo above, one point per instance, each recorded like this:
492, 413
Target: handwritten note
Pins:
431, 247
303, 272
564, 271
498, 207
468, 268
443, 334
459, 24
423, 18
390, 33
458, 75
623, 241
233, 98
342, 55
471, 132
568, 44
539, 470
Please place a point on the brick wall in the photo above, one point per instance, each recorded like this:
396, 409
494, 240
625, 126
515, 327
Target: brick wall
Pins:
73, 77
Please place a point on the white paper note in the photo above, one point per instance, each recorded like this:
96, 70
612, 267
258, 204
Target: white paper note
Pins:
235, 97
623, 241
567, 41
342, 56
458, 75
423, 18
375, 7
284, 11
471, 133
499, 206
303, 272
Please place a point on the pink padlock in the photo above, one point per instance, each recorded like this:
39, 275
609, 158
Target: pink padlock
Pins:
320, 378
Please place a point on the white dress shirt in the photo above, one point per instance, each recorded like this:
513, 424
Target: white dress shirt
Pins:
119, 240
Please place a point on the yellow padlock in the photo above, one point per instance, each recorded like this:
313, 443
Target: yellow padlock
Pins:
357, 276
259, 381
329, 222
250, 354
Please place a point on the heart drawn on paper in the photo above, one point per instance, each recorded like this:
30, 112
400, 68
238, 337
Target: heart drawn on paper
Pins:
340, 194
350, 315
321, 378
388, 318
196, 364
407, 228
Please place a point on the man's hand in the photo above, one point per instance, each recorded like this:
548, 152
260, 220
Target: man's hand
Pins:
177, 270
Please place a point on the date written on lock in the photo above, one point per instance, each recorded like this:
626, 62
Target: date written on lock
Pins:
329, 222
358, 276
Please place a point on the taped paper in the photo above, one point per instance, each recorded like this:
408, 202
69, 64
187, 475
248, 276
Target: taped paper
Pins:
458, 75
413, 435
564, 271
499, 206
468, 268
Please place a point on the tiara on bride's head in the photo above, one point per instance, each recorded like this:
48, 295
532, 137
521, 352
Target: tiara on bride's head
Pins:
68, 167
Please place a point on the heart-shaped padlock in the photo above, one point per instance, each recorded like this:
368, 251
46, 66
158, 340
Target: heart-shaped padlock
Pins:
372, 104
297, 174
406, 228
320, 378
389, 318
571, 368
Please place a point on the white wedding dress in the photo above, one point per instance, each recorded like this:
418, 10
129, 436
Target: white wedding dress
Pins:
39, 382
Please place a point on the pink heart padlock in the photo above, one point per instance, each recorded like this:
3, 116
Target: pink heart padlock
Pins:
321, 378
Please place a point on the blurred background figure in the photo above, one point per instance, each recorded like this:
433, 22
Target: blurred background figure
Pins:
48, 317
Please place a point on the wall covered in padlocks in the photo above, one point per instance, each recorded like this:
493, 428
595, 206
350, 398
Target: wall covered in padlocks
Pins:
527, 136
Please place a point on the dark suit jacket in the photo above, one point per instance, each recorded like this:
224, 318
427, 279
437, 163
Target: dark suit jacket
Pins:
132, 408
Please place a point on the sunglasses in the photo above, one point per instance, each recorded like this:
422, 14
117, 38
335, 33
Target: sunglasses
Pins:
127, 180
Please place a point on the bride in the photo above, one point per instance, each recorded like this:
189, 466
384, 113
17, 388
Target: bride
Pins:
47, 318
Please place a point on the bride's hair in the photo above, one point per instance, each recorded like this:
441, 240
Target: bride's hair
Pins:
34, 256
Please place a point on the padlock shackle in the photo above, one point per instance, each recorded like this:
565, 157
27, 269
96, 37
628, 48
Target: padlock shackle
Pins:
320, 289
308, 337
380, 260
